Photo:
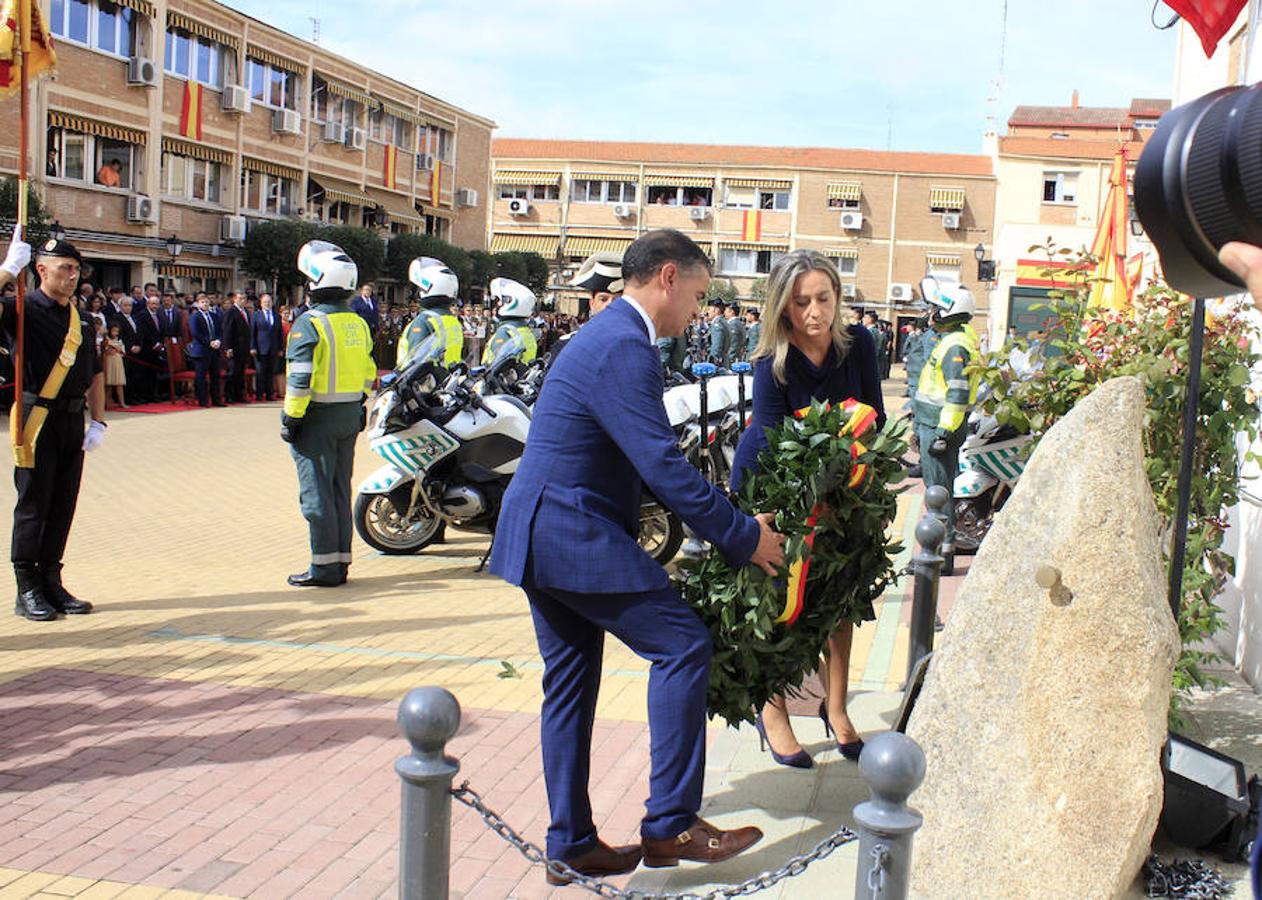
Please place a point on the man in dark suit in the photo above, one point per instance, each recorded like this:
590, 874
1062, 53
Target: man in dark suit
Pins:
267, 347
204, 350
567, 535
171, 317
366, 308
236, 342
152, 362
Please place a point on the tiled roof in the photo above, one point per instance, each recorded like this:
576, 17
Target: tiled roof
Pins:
1071, 116
1066, 149
1148, 108
731, 155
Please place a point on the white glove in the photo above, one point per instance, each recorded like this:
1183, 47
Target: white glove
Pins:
19, 254
96, 434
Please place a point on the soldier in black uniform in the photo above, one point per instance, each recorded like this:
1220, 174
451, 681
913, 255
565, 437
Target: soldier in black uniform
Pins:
62, 378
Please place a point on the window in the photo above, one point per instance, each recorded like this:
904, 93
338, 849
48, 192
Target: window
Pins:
529, 192
442, 144
588, 191
195, 58
388, 129
438, 227
270, 86
846, 265
194, 179
680, 196
773, 199
740, 261
944, 271
838, 203
739, 198
1060, 187
94, 160
95, 23
265, 193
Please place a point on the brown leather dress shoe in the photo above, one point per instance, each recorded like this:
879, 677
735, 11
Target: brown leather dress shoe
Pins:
702, 842
601, 860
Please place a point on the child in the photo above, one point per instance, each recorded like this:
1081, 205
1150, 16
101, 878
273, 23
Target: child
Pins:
112, 351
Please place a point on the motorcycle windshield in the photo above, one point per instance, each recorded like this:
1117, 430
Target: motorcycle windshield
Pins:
431, 349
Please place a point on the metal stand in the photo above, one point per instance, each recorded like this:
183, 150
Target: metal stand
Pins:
926, 566
893, 765
428, 717
741, 369
1191, 406
936, 500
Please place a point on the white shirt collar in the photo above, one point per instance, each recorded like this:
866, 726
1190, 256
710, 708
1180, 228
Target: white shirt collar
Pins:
648, 323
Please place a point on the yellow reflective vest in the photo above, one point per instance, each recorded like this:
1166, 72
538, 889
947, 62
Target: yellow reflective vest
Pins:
432, 322
511, 337
328, 359
945, 391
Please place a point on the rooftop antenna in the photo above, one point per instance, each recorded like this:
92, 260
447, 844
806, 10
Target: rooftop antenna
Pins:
889, 133
992, 101
315, 30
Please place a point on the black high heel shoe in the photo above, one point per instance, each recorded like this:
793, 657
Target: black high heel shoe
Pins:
849, 750
799, 760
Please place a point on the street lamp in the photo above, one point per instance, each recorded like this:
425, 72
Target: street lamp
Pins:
56, 232
985, 267
979, 252
174, 246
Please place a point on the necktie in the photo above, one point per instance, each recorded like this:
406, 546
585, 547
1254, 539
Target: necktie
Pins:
269, 318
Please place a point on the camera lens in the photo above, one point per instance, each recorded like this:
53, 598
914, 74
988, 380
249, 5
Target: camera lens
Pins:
1198, 185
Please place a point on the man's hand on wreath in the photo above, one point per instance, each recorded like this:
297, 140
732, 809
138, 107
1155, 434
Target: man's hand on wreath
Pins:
770, 551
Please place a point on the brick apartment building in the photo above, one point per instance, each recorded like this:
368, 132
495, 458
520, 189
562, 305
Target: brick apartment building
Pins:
886, 218
288, 129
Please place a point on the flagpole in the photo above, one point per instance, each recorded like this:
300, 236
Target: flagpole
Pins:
1190, 413
19, 363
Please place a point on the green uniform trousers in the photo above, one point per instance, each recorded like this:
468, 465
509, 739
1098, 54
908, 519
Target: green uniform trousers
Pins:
324, 454
941, 470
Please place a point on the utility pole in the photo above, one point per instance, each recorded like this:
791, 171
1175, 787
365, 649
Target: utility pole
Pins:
315, 30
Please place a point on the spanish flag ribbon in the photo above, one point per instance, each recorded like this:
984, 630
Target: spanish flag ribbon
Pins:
42, 59
191, 115
862, 418
436, 183
389, 175
751, 226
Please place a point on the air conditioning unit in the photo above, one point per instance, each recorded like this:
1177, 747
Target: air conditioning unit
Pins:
232, 229
852, 220
518, 207
900, 292
141, 71
356, 138
698, 213
286, 121
424, 162
849, 291
623, 210
466, 197
235, 99
334, 132
142, 209
951, 221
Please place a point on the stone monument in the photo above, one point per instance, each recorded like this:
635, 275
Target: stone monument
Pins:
1044, 710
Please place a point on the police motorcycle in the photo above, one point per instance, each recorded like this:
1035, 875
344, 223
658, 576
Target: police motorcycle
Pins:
992, 458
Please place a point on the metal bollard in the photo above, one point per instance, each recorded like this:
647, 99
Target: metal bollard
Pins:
926, 567
428, 717
936, 499
741, 369
703, 372
893, 766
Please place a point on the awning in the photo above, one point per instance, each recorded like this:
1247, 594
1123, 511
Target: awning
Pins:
632, 177
342, 89
144, 7
543, 244
250, 164
946, 198
578, 245
771, 184
396, 206
740, 245
201, 29
845, 190
435, 211
196, 151
841, 252
505, 176
180, 270
274, 59
942, 259
399, 111
660, 179
58, 119
338, 191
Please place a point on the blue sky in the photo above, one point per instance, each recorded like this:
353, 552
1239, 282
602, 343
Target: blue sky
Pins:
819, 73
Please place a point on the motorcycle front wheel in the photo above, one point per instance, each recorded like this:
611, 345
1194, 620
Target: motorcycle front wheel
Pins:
661, 532
382, 528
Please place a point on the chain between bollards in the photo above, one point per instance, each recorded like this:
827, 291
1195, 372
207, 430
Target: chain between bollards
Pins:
926, 568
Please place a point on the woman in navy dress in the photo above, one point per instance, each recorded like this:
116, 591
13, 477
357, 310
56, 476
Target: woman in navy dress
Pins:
807, 352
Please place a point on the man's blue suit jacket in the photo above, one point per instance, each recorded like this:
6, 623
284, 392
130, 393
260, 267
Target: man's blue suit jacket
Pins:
367, 311
199, 347
600, 432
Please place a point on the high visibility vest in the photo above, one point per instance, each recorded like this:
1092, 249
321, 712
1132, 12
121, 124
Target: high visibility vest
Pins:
934, 387
444, 324
342, 367
517, 332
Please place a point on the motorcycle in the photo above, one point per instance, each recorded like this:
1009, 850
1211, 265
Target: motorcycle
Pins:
992, 459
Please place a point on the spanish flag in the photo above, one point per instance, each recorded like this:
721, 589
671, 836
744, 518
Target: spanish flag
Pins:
390, 166
436, 184
191, 116
42, 57
751, 229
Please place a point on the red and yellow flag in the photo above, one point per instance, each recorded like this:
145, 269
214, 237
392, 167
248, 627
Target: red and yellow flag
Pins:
391, 166
436, 183
191, 115
1111, 289
42, 56
751, 227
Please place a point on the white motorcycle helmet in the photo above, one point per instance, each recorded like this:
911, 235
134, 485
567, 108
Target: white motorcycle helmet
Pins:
515, 299
327, 267
434, 280
949, 301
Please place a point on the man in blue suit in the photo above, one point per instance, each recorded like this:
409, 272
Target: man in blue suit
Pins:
267, 346
203, 327
366, 308
567, 535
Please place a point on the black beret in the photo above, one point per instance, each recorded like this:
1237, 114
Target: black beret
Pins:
64, 249
715, 301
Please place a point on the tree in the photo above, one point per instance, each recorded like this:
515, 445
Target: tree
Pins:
406, 247
270, 251
537, 275
37, 218
721, 289
512, 265
362, 245
758, 290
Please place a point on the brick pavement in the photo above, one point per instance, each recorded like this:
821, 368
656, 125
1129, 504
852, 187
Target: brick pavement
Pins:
211, 730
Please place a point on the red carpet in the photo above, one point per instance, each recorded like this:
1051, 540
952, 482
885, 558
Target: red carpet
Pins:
164, 407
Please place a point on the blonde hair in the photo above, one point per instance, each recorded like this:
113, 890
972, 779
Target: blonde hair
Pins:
774, 339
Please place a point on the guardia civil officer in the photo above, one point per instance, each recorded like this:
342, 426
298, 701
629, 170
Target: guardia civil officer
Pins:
435, 331
945, 392
601, 276
63, 378
330, 370
513, 337
718, 332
